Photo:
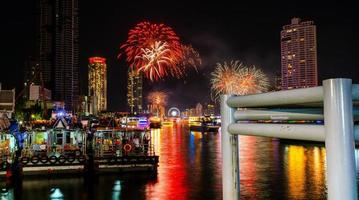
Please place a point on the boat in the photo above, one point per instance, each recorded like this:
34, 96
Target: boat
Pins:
62, 150
167, 122
115, 149
203, 124
155, 122
53, 151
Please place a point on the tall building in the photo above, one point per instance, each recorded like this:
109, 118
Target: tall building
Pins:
47, 41
134, 91
59, 49
97, 84
299, 55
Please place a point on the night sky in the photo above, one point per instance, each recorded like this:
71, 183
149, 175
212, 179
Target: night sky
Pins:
218, 31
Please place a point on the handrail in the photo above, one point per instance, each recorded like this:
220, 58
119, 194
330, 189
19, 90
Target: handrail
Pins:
336, 96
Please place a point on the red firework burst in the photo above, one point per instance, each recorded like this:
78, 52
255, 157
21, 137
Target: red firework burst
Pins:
143, 51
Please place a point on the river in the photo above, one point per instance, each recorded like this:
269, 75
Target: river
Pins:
190, 168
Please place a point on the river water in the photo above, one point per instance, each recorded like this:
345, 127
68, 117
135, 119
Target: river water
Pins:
190, 168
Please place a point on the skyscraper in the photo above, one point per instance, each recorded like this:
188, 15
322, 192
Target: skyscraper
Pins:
134, 91
97, 84
59, 49
299, 55
47, 33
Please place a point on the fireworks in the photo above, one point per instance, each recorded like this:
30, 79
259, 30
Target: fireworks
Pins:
190, 58
154, 49
158, 98
235, 78
154, 60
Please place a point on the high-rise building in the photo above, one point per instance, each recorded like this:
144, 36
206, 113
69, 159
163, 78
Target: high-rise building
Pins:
299, 55
134, 91
47, 40
59, 49
97, 84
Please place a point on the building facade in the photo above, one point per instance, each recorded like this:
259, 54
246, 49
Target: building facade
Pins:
7, 102
209, 110
134, 92
59, 49
97, 84
299, 55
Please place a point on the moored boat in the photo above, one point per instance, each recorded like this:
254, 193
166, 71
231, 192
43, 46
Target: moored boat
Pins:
63, 150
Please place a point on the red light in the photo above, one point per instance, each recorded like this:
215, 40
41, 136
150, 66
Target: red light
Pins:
93, 60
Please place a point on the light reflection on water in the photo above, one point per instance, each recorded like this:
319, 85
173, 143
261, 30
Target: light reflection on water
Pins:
190, 168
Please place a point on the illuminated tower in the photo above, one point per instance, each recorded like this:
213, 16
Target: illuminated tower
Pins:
97, 84
134, 91
299, 55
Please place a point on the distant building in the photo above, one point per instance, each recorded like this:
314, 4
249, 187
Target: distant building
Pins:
7, 102
209, 110
85, 105
31, 74
277, 82
299, 55
37, 91
134, 92
97, 84
199, 110
193, 112
157, 110
185, 113
30, 71
59, 49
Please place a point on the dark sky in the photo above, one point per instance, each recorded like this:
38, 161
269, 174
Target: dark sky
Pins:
220, 31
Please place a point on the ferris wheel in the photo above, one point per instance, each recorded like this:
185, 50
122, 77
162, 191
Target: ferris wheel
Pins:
174, 112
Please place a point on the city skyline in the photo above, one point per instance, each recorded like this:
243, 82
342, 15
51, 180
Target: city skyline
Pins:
226, 35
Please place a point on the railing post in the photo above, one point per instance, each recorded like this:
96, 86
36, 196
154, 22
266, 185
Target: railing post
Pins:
230, 153
339, 139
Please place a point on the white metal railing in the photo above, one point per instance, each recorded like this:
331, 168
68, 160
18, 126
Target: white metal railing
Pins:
336, 96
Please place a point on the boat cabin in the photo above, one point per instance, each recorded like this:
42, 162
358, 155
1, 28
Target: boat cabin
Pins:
122, 142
